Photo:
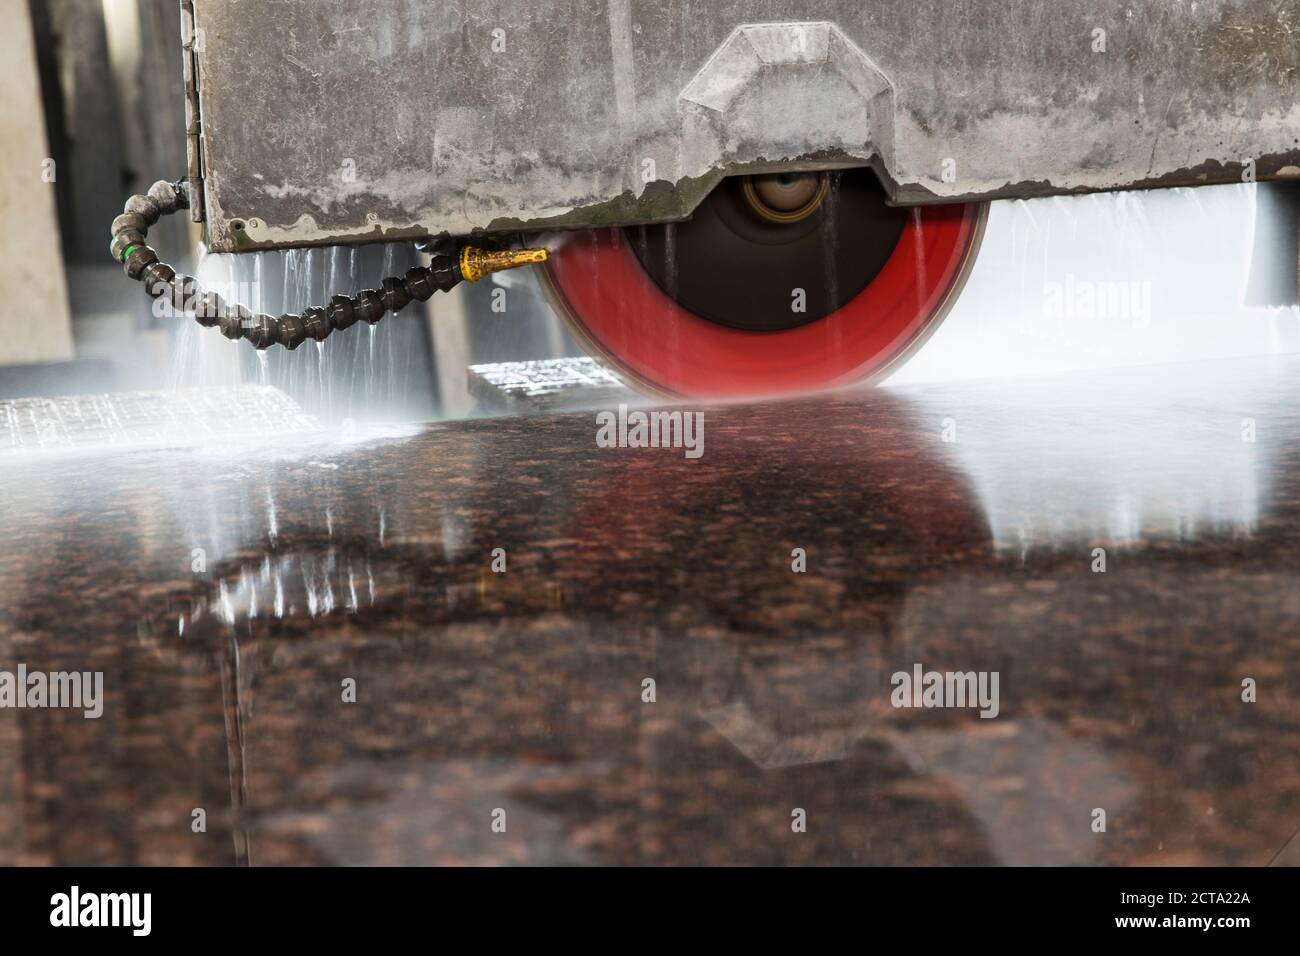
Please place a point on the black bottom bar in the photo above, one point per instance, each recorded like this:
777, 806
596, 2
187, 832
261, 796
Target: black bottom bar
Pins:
334, 906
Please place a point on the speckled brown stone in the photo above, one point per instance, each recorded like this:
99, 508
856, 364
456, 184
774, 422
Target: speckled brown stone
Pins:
522, 690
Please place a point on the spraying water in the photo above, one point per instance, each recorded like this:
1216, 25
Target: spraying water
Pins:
373, 374
1118, 279
1059, 285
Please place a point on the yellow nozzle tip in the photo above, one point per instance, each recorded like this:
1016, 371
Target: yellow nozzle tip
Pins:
475, 263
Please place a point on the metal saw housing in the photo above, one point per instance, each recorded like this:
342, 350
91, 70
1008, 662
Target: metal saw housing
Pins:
339, 121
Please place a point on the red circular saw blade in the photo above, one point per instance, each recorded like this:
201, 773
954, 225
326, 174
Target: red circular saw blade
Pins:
622, 315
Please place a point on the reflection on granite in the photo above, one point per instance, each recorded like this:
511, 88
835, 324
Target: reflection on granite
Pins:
523, 691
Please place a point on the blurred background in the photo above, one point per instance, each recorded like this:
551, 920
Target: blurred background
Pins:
93, 111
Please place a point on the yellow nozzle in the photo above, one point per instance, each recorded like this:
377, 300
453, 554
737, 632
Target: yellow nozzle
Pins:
475, 263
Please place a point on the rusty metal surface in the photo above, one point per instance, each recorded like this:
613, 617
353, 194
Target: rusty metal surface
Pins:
338, 120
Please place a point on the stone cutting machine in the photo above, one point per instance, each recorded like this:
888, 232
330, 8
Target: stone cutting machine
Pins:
737, 197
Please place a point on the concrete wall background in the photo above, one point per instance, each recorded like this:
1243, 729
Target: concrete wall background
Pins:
35, 324
100, 95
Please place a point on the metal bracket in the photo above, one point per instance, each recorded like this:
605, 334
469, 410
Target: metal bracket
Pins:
729, 101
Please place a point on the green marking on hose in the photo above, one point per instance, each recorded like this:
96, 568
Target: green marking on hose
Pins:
129, 249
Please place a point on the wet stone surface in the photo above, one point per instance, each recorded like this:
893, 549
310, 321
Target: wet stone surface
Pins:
228, 595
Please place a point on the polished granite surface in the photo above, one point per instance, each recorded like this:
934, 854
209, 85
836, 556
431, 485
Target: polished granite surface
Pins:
321, 561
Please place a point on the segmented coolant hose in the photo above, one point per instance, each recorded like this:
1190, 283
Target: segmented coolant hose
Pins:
290, 329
